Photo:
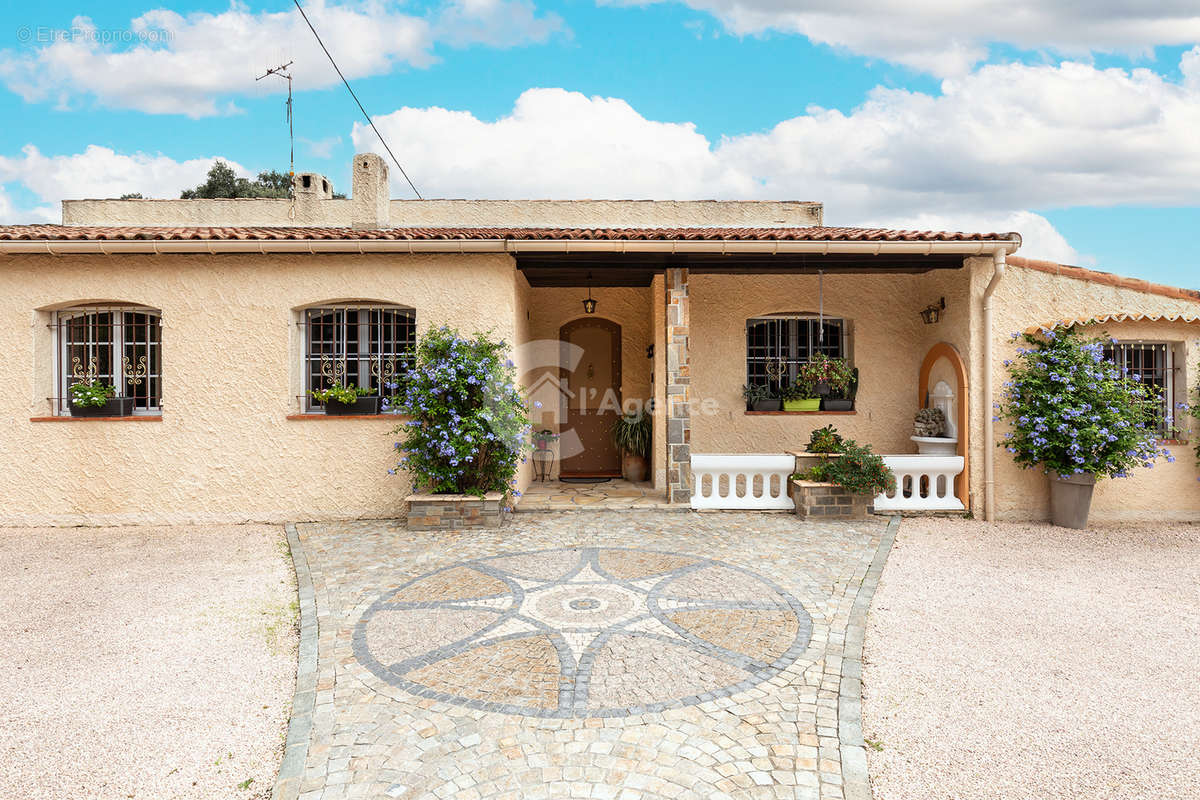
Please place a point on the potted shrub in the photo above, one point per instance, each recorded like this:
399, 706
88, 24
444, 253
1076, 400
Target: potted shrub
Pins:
801, 395
343, 400
95, 398
759, 398
843, 387
1077, 416
631, 434
467, 434
825, 440
542, 439
842, 483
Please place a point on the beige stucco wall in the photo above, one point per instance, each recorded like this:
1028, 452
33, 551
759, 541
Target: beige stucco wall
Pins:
888, 343
224, 450
549, 308
449, 213
1027, 298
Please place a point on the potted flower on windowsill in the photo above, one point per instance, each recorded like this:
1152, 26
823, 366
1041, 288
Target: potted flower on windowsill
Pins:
758, 397
831, 380
631, 434
95, 398
347, 399
1078, 416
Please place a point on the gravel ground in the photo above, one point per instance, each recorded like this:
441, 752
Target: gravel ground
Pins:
144, 662
1026, 661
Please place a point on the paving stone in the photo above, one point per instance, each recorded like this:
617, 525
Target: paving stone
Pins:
645, 654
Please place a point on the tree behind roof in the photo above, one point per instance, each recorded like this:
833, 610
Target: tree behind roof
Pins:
223, 182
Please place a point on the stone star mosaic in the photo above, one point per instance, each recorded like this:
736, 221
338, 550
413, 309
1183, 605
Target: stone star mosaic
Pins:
635, 655
592, 632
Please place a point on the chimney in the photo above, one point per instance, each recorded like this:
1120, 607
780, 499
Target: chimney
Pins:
372, 198
309, 189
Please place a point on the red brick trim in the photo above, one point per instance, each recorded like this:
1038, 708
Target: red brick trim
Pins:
333, 417
64, 418
1106, 278
794, 413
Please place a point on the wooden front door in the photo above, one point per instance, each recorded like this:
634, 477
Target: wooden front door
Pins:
592, 395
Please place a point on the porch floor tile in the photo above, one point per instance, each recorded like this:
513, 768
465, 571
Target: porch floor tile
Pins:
611, 495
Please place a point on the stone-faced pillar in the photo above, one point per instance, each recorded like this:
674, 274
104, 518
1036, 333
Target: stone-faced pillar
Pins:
679, 379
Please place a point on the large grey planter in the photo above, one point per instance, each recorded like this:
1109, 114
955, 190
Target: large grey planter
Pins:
1071, 499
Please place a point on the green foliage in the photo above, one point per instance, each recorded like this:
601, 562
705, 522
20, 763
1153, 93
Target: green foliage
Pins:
91, 394
823, 369
341, 394
1073, 412
1193, 409
544, 435
223, 182
132, 196
825, 440
469, 427
756, 393
631, 433
858, 470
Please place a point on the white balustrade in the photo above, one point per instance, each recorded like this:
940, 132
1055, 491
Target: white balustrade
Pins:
923, 483
773, 470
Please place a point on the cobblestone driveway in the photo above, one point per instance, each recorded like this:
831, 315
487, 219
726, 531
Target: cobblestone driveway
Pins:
639, 655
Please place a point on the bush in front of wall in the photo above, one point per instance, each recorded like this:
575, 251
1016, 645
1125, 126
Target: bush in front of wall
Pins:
824, 440
859, 471
1074, 413
469, 427
91, 394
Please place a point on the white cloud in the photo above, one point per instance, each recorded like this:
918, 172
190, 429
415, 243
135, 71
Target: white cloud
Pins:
190, 64
947, 37
992, 145
321, 148
102, 172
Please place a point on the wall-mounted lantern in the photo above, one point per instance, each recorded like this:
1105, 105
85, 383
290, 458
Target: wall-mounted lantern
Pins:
589, 305
933, 313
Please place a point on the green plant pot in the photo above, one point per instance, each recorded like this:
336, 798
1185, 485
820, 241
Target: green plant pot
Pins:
807, 404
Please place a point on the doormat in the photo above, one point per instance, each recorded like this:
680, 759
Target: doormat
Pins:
584, 480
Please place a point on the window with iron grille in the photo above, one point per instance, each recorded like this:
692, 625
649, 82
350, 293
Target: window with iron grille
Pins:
118, 346
1152, 364
776, 346
368, 346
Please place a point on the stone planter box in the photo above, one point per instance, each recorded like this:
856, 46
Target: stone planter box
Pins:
828, 501
434, 512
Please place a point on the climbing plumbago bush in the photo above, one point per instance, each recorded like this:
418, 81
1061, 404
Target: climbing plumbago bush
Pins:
1073, 412
468, 426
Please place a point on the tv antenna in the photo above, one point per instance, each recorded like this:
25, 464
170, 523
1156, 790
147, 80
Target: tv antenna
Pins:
282, 72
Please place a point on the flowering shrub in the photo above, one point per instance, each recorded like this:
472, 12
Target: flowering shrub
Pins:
823, 369
469, 426
1193, 409
1073, 412
91, 394
858, 470
340, 394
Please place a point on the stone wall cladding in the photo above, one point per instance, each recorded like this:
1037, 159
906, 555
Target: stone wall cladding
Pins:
433, 512
828, 501
679, 420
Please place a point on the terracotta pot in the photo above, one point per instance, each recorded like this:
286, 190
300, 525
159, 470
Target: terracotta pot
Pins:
633, 467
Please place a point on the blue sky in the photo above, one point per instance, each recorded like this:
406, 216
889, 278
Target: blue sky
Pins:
1075, 126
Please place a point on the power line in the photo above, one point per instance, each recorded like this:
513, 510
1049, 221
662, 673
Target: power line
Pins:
367, 116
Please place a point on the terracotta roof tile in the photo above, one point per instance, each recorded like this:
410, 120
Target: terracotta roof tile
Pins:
1105, 278
1117, 316
806, 234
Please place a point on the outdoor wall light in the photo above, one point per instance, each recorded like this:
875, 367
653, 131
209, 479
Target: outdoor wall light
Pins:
589, 305
932, 314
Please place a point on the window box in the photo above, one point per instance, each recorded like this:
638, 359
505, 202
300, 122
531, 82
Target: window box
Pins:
836, 404
765, 405
806, 404
363, 405
115, 407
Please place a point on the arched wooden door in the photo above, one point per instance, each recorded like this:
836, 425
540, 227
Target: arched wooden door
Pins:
591, 382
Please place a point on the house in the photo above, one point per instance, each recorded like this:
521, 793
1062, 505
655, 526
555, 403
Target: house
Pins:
217, 318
